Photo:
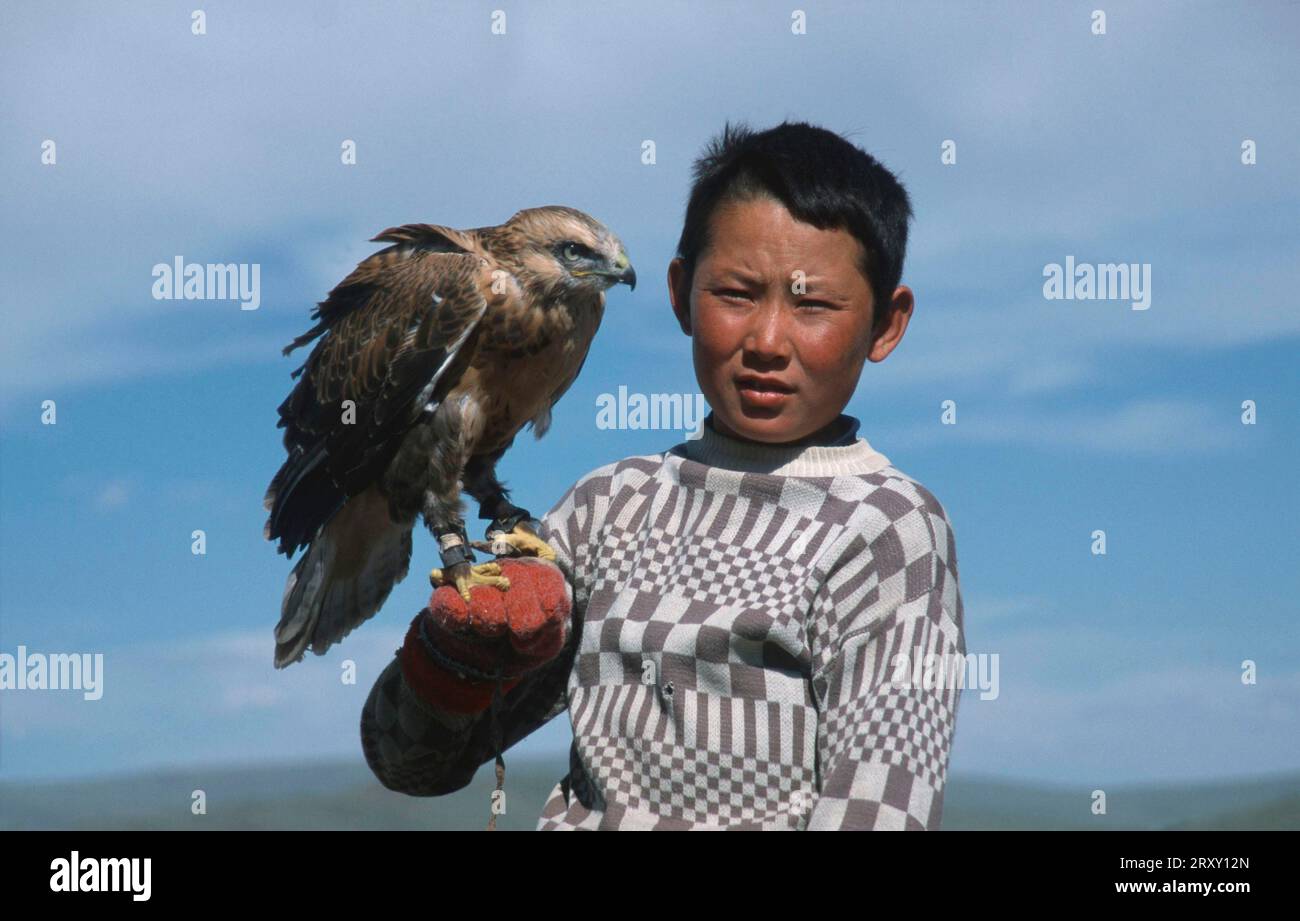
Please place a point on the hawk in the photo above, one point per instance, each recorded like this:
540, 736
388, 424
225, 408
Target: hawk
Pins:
432, 355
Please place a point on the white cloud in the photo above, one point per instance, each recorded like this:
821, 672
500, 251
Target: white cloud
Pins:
214, 698
1044, 164
1144, 427
1047, 376
1081, 703
113, 495
1003, 609
1078, 702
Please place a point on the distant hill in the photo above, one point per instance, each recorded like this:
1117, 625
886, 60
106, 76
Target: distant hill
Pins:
1248, 803
345, 795
308, 796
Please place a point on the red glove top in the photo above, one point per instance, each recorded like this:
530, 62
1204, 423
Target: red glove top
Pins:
453, 649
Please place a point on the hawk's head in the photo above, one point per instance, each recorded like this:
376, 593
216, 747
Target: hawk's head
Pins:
564, 250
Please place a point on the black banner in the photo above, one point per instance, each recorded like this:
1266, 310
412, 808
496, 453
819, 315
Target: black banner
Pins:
330, 868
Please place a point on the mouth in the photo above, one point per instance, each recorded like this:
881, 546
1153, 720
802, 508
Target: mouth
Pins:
764, 392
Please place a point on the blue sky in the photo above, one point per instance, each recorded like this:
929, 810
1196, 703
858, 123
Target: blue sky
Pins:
1072, 415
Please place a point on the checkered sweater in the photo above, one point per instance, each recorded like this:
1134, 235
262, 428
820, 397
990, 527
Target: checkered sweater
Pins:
738, 611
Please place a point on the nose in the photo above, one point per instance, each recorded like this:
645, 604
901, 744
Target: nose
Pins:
767, 337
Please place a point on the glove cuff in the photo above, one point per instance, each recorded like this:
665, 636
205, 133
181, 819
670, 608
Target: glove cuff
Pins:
441, 682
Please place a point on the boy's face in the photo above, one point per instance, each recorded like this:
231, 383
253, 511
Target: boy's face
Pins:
776, 365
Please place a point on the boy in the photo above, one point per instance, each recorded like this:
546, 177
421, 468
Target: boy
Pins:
723, 620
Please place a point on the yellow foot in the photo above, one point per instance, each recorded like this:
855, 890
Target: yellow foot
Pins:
519, 542
464, 576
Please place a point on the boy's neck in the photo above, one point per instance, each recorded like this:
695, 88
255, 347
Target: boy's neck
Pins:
842, 430
835, 449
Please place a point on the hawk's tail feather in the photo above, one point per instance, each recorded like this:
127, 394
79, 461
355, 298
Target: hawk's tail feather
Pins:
300, 499
342, 580
351, 602
301, 605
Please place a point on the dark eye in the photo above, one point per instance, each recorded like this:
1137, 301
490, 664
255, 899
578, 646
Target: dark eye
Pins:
732, 294
571, 253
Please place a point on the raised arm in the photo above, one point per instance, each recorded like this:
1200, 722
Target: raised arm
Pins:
883, 737
426, 726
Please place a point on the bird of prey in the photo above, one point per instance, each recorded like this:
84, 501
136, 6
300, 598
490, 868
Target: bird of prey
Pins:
432, 355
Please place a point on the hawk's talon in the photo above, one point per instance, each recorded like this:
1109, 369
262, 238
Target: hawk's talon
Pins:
464, 576
522, 541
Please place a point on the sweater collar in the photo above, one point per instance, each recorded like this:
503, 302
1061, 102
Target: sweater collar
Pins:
836, 450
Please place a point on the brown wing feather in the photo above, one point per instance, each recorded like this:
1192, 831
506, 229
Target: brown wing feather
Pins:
406, 317
376, 271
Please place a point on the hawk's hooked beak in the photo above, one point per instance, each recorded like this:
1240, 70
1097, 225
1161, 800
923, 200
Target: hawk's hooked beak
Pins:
621, 272
628, 275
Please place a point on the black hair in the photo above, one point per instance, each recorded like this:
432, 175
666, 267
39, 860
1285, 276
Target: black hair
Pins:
820, 177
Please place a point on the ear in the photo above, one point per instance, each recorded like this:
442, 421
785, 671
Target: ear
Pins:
679, 293
888, 332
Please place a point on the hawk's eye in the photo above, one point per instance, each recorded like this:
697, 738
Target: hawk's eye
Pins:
570, 252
